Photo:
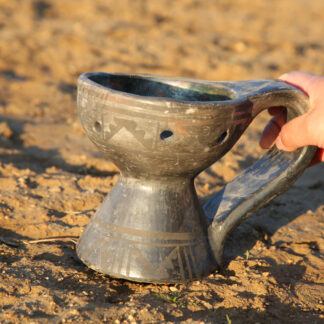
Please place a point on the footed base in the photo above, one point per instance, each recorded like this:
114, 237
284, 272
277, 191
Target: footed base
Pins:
148, 233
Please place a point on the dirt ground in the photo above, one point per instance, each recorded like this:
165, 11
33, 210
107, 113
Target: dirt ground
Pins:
52, 179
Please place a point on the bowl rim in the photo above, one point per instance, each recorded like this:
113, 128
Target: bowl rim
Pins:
166, 102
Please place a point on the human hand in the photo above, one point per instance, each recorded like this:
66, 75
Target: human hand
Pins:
307, 129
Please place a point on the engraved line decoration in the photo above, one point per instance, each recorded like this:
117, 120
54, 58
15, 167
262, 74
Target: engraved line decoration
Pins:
177, 236
128, 255
131, 126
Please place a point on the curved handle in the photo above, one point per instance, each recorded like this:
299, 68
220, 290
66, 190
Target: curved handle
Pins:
270, 176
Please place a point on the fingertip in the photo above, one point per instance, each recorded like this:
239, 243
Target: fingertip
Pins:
293, 75
284, 76
273, 111
298, 79
264, 143
280, 145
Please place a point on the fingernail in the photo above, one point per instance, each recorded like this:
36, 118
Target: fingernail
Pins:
283, 76
279, 143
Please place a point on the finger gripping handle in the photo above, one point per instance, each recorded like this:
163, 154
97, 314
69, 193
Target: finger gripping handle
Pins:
270, 176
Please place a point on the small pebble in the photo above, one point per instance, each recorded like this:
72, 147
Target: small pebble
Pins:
206, 304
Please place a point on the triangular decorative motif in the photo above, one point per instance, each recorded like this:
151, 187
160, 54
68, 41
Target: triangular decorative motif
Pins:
131, 126
128, 258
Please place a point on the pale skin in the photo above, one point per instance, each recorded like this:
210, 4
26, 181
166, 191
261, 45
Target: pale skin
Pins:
304, 130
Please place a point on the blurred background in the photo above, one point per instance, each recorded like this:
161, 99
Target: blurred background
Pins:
46, 44
52, 179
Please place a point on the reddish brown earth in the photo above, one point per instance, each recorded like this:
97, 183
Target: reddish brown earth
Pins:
52, 178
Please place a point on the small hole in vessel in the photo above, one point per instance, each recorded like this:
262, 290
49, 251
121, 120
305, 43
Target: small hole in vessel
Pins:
166, 134
222, 137
97, 127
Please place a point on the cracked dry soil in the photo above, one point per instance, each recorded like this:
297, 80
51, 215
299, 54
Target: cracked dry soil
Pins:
52, 178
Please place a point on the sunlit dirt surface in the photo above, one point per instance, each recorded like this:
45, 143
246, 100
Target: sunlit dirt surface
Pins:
52, 179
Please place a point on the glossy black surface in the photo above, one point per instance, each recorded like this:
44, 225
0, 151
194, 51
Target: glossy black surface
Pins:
161, 132
142, 86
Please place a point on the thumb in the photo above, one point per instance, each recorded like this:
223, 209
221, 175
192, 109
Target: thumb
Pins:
301, 80
294, 134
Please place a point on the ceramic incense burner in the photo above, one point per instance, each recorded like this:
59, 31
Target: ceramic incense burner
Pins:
161, 132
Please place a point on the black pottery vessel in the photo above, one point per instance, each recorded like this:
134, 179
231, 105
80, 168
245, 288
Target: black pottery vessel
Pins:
161, 132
